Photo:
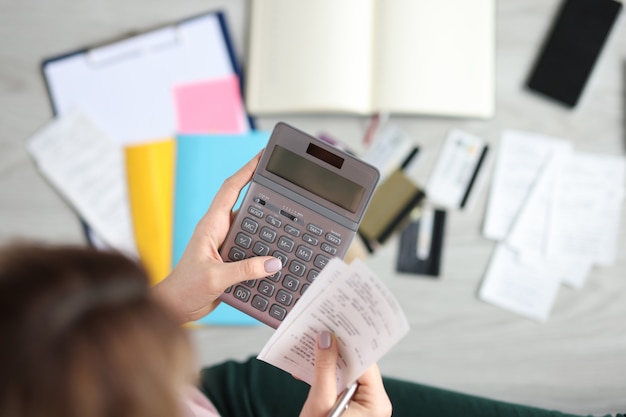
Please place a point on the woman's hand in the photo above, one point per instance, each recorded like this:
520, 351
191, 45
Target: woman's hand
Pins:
370, 399
191, 290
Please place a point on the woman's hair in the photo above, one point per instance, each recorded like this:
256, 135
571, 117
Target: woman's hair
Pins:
80, 336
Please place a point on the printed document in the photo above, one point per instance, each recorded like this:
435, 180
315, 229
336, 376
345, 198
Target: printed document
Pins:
354, 305
521, 158
526, 288
587, 204
87, 167
567, 222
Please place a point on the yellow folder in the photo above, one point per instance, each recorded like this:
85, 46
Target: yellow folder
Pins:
150, 175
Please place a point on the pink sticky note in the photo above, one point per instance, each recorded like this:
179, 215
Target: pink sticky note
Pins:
210, 106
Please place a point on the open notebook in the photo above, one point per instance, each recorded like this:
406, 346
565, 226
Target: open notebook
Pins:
366, 56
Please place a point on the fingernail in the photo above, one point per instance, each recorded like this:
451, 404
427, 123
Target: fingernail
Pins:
324, 340
273, 265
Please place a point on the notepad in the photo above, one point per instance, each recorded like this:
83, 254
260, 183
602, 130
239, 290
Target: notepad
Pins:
203, 163
354, 56
214, 105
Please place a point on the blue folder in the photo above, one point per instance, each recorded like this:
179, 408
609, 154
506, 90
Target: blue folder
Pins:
203, 162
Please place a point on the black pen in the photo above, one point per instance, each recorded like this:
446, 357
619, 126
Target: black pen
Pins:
342, 402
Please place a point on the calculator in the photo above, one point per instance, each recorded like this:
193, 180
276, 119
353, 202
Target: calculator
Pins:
303, 206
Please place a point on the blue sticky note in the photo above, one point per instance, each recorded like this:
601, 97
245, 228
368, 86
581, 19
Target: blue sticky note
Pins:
203, 163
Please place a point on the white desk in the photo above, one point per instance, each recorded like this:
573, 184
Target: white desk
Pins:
574, 362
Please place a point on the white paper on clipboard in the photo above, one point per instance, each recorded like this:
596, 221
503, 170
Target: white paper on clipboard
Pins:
126, 86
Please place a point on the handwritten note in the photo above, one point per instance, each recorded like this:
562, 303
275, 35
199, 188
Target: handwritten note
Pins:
87, 168
353, 304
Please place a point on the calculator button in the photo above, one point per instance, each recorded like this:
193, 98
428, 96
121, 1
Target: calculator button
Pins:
297, 268
283, 258
268, 235
291, 283
276, 222
316, 230
313, 273
261, 249
304, 288
293, 231
242, 293
284, 297
329, 249
286, 244
249, 283
249, 225
310, 239
275, 277
333, 238
267, 288
256, 212
304, 253
236, 254
260, 303
278, 312
320, 261
243, 240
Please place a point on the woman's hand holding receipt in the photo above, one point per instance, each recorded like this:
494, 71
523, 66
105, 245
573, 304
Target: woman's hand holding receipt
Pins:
370, 398
192, 289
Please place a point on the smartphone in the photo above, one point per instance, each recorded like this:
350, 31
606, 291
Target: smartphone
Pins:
304, 206
572, 47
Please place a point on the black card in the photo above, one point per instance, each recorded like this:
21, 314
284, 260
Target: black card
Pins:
409, 258
572, 48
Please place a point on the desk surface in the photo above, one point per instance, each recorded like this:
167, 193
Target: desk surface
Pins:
573, 362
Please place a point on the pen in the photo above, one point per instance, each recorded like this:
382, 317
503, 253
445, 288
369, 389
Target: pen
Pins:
342, 402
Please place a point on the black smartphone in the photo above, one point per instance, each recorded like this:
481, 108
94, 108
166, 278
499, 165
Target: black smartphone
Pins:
572, 47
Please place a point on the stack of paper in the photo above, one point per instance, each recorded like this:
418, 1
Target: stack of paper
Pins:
555, 213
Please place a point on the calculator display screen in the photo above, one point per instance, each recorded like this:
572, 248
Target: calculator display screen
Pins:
315, 178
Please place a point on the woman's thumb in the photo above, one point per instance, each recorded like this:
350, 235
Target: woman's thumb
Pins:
324, 386
251, 268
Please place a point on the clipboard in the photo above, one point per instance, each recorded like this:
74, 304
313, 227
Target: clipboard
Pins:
125, 85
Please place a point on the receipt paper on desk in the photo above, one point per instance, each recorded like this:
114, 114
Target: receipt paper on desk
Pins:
421, 243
